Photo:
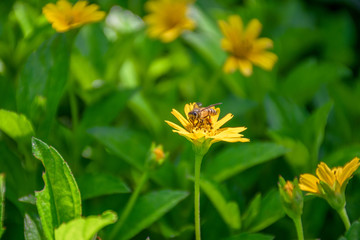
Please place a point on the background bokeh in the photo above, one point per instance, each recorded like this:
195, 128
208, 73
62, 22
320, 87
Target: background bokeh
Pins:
102, 101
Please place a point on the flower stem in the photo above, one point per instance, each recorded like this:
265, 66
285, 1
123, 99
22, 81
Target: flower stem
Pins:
344, 217
130, 204
299, 228
198, 159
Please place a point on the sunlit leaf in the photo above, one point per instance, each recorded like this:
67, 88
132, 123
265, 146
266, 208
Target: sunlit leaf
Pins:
84, 228
17, 126
60, 200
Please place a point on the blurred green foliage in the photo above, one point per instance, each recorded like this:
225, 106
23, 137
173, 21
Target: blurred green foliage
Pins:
103, 100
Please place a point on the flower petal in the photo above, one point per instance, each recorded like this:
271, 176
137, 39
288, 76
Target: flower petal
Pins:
309, 183
253, 29
230, 65
222, 121
265, 60
325, 174
236, 23
262, 43
177, 127
348, 170
180, 117
245, 67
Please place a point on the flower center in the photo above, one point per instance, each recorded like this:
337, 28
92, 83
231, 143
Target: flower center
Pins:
242, 49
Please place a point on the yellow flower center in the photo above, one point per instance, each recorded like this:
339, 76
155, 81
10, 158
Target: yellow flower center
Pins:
242, 49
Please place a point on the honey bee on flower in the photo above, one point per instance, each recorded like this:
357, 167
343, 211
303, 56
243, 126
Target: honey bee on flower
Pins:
203, 124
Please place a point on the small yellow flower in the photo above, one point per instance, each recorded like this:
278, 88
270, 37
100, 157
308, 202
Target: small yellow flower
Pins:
335, 178
291, 197
209, 131
64, 16
289, 188
244, 46
167, 19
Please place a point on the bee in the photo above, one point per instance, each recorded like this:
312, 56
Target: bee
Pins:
199, 114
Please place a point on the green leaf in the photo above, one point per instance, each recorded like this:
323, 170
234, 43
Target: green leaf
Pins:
32, 228
84, 228
314, 130
43, 79
238, 158
270, 211
228, 210
2, 203
124, 143
60, 200
15, 125
148, 209
354, 232
306, 79
94, 185
251, 236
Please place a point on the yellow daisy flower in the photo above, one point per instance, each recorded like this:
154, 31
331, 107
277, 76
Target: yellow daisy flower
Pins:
244, 46
208, 130
167, 19
335, 178
64, 16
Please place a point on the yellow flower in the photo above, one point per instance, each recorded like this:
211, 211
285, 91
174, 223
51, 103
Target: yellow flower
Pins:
244, 46
168, 19
64, 16
289, 188
335, 178
209, 130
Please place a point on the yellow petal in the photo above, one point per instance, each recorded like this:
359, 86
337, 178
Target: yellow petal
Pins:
245, 67
177, 127
309, 183
253, 29
188, 108
236, 23
325, 174
262, 43
225, 28
170, 34
265, 60
180, 117
348, 170
230, 65
222, 121
226, 45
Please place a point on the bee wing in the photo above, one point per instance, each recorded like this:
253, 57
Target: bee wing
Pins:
198, 104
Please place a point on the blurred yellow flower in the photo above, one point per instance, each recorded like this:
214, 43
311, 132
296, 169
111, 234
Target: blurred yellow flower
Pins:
209, 130
335, 178
244, 46
64, 16
167, 19
289, 188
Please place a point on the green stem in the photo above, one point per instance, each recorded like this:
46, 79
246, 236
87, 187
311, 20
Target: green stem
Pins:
198, 159
344, 217
130, 204
299, 228
75, 121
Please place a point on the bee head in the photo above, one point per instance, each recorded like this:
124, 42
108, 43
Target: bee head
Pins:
192, 115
